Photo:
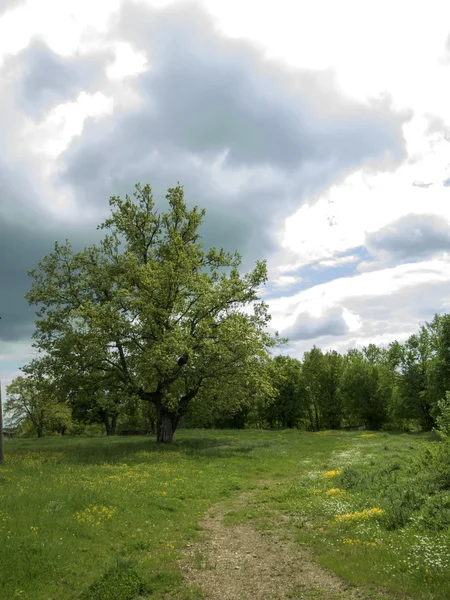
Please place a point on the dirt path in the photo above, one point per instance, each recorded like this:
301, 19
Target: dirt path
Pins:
238, 563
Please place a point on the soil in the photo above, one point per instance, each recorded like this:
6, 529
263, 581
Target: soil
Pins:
237, 562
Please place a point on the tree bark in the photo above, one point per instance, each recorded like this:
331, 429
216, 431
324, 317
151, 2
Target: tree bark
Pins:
167, 421
165, 425
110, 427
113, 424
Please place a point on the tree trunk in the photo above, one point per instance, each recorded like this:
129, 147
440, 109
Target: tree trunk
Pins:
40, 431
165, 425
110, 428
113, 424
310, 418
167, 421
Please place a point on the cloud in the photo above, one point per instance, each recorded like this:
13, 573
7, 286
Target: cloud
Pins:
286, 281
247, 138
446, 182
379, 307
421, 184
436, 124
410, 237
251, 140
337, 261
7, 5
43, 79
308, 326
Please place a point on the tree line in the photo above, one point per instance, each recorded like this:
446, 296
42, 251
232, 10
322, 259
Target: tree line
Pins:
149, 330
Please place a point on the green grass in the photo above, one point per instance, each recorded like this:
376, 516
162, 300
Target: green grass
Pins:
107, 518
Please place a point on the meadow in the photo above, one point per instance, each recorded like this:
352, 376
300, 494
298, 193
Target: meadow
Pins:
108, 518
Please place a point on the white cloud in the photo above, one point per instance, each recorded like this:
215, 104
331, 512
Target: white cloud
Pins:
372, 50
340, 219
51, 136
285, 281
381, 284
127, 62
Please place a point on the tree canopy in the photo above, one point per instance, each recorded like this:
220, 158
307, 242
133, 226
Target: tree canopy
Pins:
149, 313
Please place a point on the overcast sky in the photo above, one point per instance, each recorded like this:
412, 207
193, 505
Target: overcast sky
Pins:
316, 135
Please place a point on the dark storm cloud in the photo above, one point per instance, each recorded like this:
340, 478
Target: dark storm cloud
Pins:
44, 79
287, 135
22, 245
205, 95
19, 249
410, 237
26, 235
308, 327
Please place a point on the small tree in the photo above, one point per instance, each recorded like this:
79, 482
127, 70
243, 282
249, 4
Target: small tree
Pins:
34, 402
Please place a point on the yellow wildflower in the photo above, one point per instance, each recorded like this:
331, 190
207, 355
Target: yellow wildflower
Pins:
332, 473
356, 542
95, 515
335, 491
360, 516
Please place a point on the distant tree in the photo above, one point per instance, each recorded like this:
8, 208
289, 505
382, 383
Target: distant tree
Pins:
313, 371
364, 392
331, 397
443, 418
322, 375
439, 363
150, 310
414, 385
233, 402
34, 402
288, 408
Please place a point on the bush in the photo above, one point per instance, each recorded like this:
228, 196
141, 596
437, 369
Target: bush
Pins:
122, 582
435, 515
434, 467
401, 504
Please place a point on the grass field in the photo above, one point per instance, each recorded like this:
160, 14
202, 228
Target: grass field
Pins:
107, 518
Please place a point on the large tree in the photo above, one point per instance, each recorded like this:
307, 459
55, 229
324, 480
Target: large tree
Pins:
149, 311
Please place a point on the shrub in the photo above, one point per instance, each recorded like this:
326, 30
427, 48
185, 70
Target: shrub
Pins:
122, 582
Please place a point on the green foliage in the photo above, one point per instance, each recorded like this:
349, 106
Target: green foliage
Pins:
401, 503
443, 418
33, 404
149, 313
434, 516
366, 388
434, 466
414, 384
288, 408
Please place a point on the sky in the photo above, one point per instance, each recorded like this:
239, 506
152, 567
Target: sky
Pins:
315, 134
